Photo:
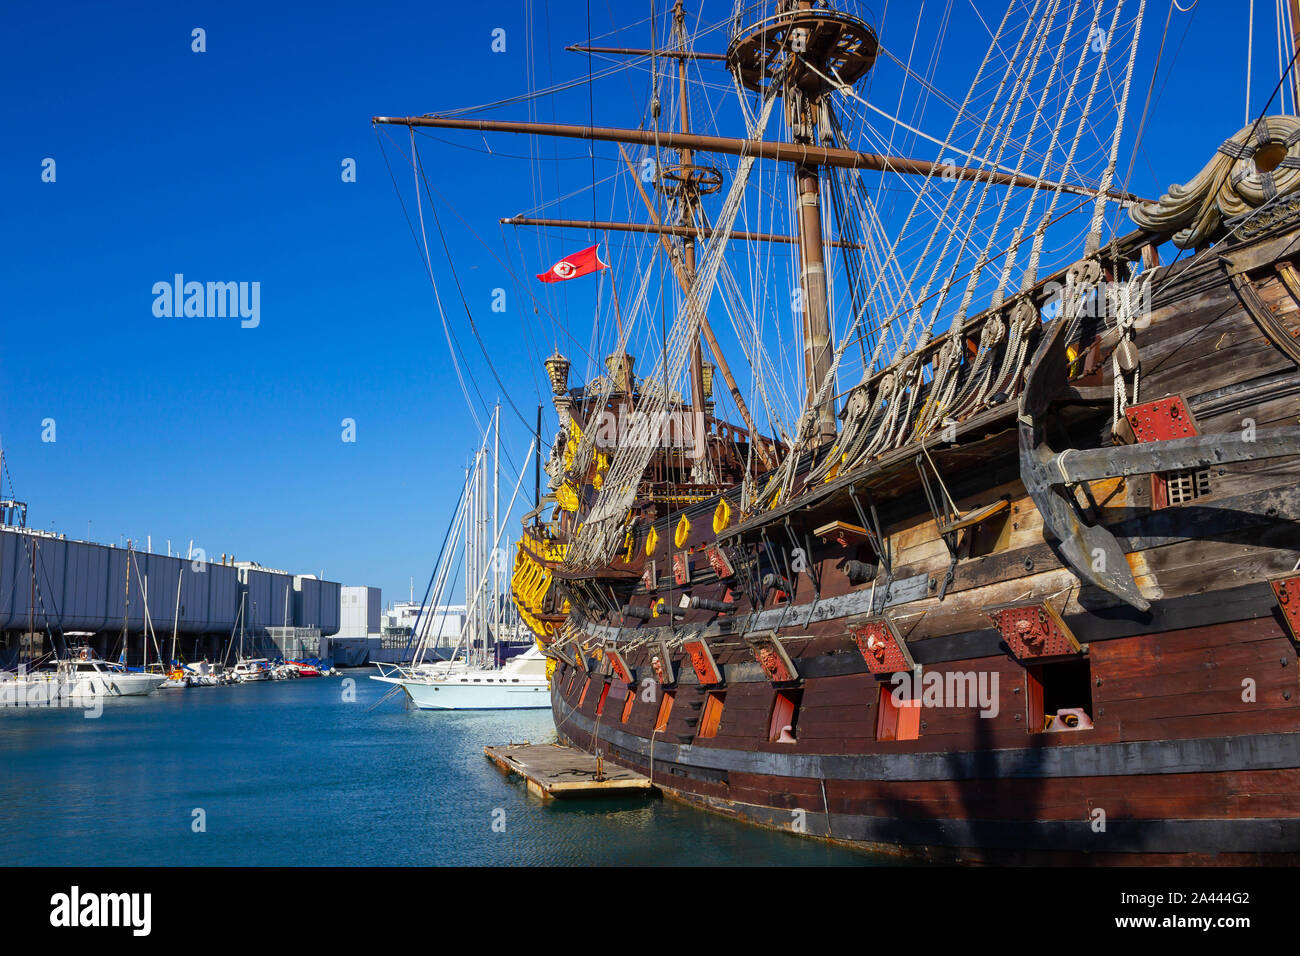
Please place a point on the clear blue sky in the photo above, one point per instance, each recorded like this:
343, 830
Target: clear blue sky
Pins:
225, 166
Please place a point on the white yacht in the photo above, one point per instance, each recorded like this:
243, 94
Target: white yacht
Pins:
520, 684
81, 676
467, 681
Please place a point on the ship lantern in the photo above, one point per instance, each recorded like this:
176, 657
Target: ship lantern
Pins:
706, 370
557, 368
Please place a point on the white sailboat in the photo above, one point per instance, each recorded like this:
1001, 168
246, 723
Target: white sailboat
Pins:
176, 677
247, 669
469, 681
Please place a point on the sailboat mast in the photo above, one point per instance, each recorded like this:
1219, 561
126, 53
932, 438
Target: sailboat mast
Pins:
467, 637
481, 550
496, 525
144, 634
126, 602
31, 602
176, 617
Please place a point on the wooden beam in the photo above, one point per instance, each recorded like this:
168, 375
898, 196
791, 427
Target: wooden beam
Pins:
803, 154
671, 54
1176, 454
650, 227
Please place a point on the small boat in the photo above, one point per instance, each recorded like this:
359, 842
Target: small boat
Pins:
200, 674
173, 676
252, 669
79, 676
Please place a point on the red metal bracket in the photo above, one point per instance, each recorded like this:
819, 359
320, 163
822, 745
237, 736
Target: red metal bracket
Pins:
1162, 420
681, 568
661, 663
618, 668
1035, 631
1287, 589
881, 646
706, 668
719, 562
772, 657
843, 533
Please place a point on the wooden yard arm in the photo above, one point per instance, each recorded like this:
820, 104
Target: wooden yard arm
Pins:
1200, 451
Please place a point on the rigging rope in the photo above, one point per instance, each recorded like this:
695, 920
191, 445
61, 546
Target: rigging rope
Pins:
597, 533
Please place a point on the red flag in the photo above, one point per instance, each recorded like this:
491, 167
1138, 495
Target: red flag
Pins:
570, 267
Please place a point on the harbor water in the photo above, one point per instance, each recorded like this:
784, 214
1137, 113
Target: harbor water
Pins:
303, 773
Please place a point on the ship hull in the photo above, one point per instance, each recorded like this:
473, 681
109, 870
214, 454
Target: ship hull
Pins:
1159, 780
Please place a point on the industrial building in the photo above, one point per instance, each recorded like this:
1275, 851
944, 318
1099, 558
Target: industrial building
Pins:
358, 638
359, 615
368, 633
50, 586
441, 624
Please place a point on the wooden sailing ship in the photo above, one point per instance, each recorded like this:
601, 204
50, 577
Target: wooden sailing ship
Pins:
1030, 590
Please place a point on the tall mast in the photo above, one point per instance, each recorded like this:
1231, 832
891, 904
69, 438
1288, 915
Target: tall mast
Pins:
126, 604
804, 46
689, 198
801, 115
31, 602
1294, 6
481, 551
144, 632
485, 530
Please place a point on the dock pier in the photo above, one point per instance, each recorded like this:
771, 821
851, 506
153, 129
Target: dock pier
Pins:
554, 771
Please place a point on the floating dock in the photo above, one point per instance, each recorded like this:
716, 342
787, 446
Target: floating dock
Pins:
557, 771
